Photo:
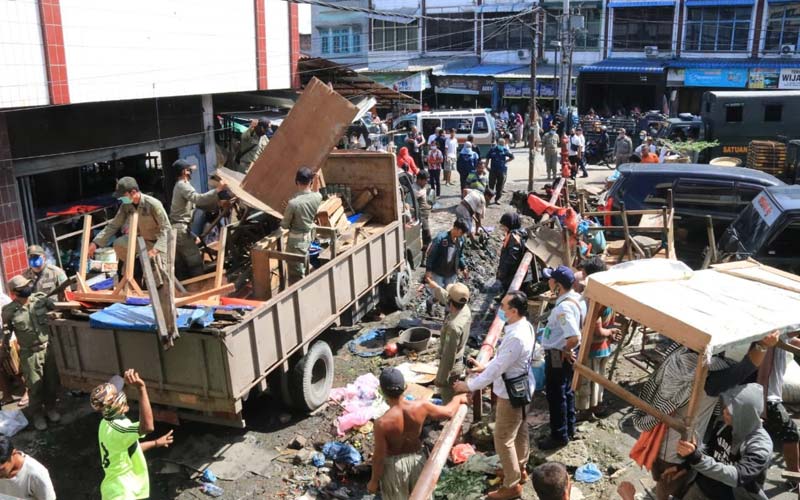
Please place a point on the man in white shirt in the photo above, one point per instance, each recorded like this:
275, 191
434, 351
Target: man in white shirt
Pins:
779, 423
433, 136
512, 360
577, 149
22, 476
451, 155
473, 207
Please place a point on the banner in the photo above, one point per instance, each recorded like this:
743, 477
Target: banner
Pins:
464, 85
763, 78
728, 78
414, 83
790, 79
523, 89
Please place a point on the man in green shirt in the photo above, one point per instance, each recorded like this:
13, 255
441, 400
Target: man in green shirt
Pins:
121, 453
45, 277
153, 225
453, 336
188, 259
26, 317
298, 218
252, 143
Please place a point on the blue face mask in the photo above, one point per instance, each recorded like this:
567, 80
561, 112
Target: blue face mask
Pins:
126, 200
502, 315
36, 261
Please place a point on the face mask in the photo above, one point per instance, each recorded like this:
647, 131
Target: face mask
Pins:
36, 261
502, 315
25, 292
126, 200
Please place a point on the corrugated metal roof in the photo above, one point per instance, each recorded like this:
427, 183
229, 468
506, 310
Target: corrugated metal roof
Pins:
625, 65
481, 70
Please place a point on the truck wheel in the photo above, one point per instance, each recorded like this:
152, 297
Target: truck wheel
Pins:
313, 375
401, 286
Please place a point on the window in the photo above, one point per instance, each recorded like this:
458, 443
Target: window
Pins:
773, 112
783, 26
718, 29
462, 125
706, 195
784, 244
481, 127
584, 39
389, 36
505, 34
429, 126
734, 113
341, 40
457, 35
636, 28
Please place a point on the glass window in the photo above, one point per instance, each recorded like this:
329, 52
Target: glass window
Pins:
636, 28
505, 34
389, 36
773, 112
324, 35
784, 244
783, 26
341, 40
456, 35
718, 29
734, 113
462, 125
481, 127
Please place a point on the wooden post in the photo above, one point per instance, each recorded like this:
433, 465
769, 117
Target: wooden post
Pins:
698, 389
152, 290
628, 239
85, 241
665, 223
219, 273
130, 259
567, 248
712, 242
167, 290
262, 273
586, 340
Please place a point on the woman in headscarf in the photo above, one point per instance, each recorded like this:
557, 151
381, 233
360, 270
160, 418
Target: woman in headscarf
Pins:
405, 162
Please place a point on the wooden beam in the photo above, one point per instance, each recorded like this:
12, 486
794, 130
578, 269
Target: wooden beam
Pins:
69, 304
152, 291
106, 298
167, 291
182, 301
197, 279
85, 241
586, 339
288, 257
262, 273
220, 270
130, 259
698, 389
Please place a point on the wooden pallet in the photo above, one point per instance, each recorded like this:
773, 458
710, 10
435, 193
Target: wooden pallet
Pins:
767, 156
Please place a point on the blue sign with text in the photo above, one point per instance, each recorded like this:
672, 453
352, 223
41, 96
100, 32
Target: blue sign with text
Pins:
716, 77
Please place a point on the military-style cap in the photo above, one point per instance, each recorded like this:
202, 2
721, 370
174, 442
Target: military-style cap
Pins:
124, 185
458, 293
35, 250
18, 282
179, 165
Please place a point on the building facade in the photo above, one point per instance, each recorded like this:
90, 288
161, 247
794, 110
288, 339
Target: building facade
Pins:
91, 91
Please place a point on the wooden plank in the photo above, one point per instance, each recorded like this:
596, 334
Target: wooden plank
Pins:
262, 273
220, 270
107, 298
364, 198
198, 279
234, 180
698, 389
336, 217
629, 398
86, 239
320, 117
68, 304
288, 257
130, 258
587, 332
167, 290
152, 291
182, 301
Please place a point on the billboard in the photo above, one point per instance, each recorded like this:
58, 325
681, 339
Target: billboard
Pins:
716, 77
789, 79
763, 78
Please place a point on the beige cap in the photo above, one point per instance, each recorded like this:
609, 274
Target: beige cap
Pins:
458, 293
35, 250
18, 282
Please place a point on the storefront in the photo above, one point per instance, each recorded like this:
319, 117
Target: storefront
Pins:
517, 93
458, 92
617, 84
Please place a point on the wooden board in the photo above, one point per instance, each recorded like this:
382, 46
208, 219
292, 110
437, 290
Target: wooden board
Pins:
419, 392
234, 180
364, 169
316, 122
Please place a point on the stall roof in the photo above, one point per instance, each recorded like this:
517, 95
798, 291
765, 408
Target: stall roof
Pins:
626, 65
347, 82
707, 311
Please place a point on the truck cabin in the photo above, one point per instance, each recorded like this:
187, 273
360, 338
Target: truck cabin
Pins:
768, 230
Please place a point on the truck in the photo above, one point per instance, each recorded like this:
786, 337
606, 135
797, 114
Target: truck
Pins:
734, 118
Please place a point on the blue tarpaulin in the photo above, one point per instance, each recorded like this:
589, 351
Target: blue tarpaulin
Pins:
128, 317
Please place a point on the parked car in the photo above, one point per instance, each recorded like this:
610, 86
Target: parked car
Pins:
697, 192
476, 122
768, 230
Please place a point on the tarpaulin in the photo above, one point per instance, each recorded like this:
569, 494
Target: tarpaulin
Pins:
128, 317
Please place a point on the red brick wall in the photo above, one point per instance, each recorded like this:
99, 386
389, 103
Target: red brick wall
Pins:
294, 43
261, 45
55, 60
12, 241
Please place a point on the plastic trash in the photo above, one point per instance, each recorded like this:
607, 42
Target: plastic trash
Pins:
342, 453
481, 463
437, 401
208, 476
318, 459
357, 345
588, 473
461, 453
212, 490
11, 422
356, 418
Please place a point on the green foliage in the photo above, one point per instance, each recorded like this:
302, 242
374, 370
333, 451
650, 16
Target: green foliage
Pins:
460, 484
686, 147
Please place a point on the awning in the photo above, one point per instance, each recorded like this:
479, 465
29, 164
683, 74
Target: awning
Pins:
482, 70
514, 7
732, 63
620, 4
448, 90
624, 65
779, 2
718, 3
397, 18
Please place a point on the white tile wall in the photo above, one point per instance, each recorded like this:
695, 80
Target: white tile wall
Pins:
278, 60
147, 48
23, 77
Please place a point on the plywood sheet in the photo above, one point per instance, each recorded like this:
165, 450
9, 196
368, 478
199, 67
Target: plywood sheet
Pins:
234, 180
548, 245
305, 139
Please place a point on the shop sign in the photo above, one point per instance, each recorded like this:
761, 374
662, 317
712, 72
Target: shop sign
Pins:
763, 78
414, 83
523, 89
716, 77
676, 77
467, 85
790, 79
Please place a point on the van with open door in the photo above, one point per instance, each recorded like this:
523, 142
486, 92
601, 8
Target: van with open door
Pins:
476, 122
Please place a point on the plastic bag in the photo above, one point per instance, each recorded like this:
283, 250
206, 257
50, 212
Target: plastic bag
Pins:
588, 473
11, 422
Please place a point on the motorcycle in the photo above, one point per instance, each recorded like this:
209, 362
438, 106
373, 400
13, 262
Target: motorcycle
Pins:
594, 156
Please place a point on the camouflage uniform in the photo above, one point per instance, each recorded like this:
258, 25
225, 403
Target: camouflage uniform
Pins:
452, 344
184, 199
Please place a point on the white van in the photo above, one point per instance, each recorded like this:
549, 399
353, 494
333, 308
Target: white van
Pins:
476, 122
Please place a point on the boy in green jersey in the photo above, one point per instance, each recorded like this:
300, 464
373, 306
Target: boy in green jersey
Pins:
121, 453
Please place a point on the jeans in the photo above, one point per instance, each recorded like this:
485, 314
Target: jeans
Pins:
442, 281
435, 181
560, 398
497, 180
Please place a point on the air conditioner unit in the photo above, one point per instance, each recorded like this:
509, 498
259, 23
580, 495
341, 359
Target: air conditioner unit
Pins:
788, 50
523, 54
651, 51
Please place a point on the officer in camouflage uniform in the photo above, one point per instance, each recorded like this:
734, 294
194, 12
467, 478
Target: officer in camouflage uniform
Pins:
45, 277
453, 337
252, 144
153, 225
188, 259
26, 317
298, 218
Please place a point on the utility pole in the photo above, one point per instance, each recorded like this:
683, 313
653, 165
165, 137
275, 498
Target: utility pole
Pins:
533, 129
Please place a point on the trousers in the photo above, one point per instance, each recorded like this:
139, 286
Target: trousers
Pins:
41, 378
551, 162
297, 243
497, 180
436, 185
511, 440
400, 474
188, 259
560, 398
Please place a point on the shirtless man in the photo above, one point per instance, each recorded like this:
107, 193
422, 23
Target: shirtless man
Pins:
398, 460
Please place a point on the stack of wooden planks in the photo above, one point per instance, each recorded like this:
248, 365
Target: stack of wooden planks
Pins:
767, 156
331, 214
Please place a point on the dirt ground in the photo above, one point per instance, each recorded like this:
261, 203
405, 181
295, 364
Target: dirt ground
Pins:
69, 450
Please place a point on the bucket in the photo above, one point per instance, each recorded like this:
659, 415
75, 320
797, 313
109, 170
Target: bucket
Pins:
726, 161
416, 338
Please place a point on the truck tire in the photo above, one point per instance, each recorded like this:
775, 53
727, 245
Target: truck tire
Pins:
313, 377
401, 286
